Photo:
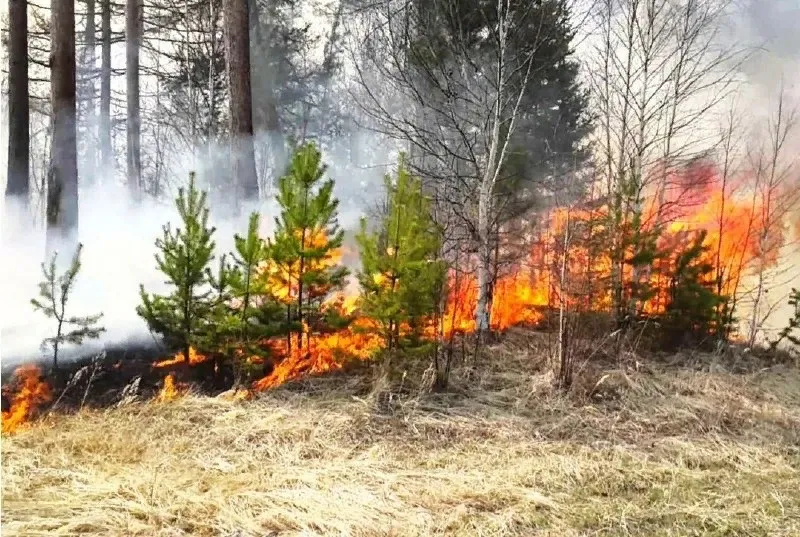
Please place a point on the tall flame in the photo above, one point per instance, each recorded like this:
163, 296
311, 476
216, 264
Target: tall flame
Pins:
32, 392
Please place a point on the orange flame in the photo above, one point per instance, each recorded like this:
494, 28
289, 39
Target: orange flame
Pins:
697, 199
282, 279
170, 390
318, 353
194, 359
32, 392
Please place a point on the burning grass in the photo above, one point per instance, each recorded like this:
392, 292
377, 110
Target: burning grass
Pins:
655, 451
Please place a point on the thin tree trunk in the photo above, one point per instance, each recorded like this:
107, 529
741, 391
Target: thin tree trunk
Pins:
18, 183
565, 364
62, 192
133, 36
237, 40
104, 126
484, 265
212, 95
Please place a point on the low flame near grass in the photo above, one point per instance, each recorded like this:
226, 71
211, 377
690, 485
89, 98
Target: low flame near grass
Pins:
319, 353
171, 389
31, 392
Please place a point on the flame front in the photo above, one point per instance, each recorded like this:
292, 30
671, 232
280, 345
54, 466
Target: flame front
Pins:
730, 215
32, 392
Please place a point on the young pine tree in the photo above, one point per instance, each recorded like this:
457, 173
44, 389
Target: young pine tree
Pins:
691, 311
634, 251
54, 293
400, 275
184, 257
791, 332
243, 313
303, 254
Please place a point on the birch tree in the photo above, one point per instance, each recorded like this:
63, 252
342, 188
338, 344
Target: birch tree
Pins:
448, 79
656, 74
776, 192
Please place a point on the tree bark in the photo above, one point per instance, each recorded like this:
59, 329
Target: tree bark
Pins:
133, 36
237, 41
62, 191
88, 87
483, 308
106, 156
18, 107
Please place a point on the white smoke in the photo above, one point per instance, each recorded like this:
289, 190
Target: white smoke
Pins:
118, 255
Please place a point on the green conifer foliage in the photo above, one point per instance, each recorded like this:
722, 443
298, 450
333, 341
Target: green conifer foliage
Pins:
690, 315
54, 293
184, 256
244, 313
303, 255
401, 277
791, 332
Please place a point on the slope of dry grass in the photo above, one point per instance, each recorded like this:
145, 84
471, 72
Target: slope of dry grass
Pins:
666, 451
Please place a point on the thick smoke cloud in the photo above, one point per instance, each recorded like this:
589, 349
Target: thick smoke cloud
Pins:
118, 238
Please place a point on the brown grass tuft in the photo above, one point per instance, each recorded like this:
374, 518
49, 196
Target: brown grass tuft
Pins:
658, 451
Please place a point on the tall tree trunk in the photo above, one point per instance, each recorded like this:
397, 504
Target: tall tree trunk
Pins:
237, 41
62, 191
133, 36
88, 86
106, 156
18, 107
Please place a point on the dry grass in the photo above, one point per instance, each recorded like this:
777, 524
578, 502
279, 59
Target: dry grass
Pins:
665, 452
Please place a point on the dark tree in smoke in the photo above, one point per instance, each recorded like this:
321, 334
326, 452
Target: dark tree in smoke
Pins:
133, 33
104, 125
18, 108
87, 113
62, 190
237, 41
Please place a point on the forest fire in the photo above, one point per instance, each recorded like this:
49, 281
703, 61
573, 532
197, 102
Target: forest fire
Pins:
29, 393
567, 259
734, 237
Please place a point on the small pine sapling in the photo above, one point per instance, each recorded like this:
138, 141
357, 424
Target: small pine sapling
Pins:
244, 314
401, 278
184, 256
303, 255
791, 332
54, 292
691, 310
258, 314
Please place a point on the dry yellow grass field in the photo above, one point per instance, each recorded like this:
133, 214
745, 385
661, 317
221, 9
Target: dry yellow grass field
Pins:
667, 451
